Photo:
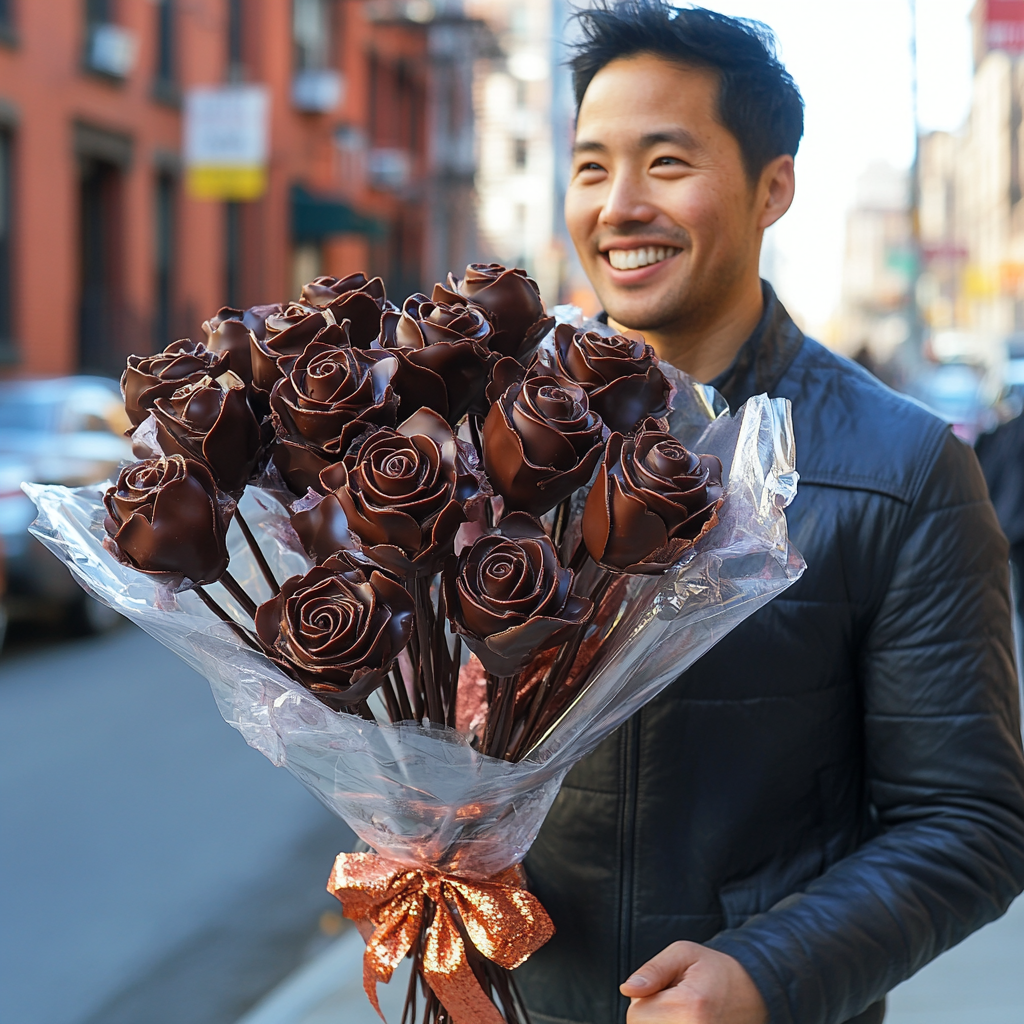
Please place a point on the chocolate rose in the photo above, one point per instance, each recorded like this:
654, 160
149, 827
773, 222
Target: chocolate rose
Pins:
285, 338
403, 493
510, 598
335, 630
228, 330
165, 518
331, 394
442, 352
353, 298
511, 298
146, 378
651, 502
541, 441
620, 375
211, 421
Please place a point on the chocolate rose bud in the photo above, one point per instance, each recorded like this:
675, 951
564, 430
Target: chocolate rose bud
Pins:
335, 630
165, 518
146, 378
651, 502
541, 441
511, 298
353, 298
211, 421
443, 356
620, 375
510, 598
285, 338
403, 493
332, 394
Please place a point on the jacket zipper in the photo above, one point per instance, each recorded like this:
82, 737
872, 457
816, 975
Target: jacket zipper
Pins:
629, 779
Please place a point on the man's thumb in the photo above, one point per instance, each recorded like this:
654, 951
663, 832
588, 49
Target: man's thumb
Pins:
662, 971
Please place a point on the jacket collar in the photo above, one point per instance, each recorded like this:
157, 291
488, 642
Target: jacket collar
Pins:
765, 357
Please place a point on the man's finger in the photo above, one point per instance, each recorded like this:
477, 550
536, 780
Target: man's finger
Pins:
661, 971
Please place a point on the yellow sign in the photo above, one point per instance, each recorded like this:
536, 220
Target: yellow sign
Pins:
226, 182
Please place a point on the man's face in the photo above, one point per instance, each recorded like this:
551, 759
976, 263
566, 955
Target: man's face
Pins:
661, 212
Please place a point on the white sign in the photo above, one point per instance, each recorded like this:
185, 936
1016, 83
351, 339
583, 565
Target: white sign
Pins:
226, 141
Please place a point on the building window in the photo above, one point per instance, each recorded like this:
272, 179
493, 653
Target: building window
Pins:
7, 350
163, 258
236, 41
316, 84
164, 84
520, 153
110, 49
7, 33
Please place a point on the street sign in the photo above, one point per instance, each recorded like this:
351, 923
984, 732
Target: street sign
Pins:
226, 142
1004, 25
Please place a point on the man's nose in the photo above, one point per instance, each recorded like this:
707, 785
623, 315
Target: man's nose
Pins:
627, 202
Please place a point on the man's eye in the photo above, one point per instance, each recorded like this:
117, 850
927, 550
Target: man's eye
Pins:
591, 167
668, 161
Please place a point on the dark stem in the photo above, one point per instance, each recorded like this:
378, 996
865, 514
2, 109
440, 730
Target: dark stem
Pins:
561, 522
474, 433
232, 586
453, 699
390, 700
443, 667
362, 709
579, 557
242, 633
261, 560
421, 591
402, 693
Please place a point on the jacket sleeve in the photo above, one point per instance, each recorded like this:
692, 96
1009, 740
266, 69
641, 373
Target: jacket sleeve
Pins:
944, 773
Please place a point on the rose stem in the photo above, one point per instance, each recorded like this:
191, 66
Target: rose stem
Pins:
498, 721
261, 560
474, 433
402, 693
579, 558
561, 522
231, 585
559, 672
443, 671
453, 698
363, 710
390, 700
243, 635
425, 661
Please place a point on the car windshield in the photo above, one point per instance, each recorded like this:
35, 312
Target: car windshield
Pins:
20, 412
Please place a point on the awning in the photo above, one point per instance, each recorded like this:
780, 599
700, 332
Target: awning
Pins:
315, 217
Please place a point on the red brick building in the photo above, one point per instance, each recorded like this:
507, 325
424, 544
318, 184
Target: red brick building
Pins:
104, 250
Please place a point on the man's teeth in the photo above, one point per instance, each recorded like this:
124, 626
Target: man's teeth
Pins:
630, 259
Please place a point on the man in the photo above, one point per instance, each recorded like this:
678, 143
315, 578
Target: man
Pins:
834, 794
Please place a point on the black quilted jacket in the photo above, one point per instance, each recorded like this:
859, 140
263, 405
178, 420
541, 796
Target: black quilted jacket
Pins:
834, 794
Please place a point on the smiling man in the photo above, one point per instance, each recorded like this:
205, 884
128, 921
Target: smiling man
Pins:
834, 794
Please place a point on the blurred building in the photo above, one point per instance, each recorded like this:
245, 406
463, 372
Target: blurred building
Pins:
878, 266
115, 237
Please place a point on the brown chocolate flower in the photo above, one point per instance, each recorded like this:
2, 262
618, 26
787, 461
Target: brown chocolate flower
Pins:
331, 394
510, 598
511, 298
443, 356
403, 493
146, 378
211, 421
651, 502
165, 518
620, 375
235, 331
354, 298
335, 631
541, 441
285, 338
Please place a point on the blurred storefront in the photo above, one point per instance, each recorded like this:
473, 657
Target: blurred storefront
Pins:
162, 158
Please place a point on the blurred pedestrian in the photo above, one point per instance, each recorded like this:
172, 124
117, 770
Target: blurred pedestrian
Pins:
834, 794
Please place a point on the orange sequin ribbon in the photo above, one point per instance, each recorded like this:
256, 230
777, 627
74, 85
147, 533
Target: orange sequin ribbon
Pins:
503, 921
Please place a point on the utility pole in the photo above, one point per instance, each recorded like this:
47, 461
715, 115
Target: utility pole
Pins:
915, 315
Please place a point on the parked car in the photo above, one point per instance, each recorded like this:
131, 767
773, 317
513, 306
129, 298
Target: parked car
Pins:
70, 431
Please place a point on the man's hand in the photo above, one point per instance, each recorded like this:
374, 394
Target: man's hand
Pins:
690, 984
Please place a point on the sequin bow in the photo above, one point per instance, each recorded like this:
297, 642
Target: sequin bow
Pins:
503, 921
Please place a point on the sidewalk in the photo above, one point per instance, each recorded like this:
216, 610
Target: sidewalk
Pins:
981, 981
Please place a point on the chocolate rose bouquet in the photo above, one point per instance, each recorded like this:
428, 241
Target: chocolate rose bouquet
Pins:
428, 557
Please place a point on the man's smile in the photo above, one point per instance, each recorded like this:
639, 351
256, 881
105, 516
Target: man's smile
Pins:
641, 256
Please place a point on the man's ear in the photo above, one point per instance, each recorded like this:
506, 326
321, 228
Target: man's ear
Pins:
776, 190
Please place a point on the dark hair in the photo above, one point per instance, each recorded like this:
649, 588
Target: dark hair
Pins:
758, 101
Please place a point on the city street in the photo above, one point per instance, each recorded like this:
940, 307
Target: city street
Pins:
155, 868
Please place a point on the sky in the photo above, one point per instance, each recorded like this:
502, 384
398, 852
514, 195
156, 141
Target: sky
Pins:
852, 62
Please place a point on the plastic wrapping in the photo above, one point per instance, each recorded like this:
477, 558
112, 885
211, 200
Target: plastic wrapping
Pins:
420, 794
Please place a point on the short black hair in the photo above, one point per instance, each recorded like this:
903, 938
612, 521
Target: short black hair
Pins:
758, 101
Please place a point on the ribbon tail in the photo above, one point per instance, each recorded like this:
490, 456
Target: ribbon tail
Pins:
447, 971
